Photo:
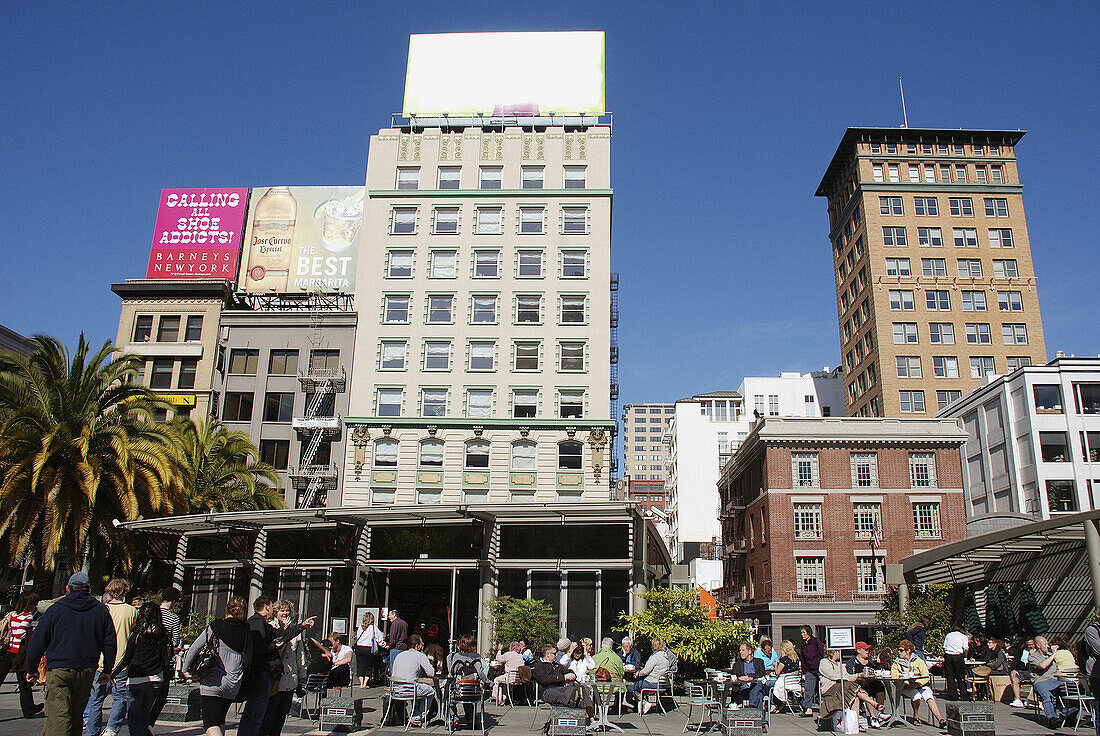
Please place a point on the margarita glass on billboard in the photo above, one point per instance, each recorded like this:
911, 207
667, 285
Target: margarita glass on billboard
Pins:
342, 220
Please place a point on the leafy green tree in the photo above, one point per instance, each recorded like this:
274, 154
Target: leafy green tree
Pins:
222, 469
530, 619
933, 601
677, 617
79, 450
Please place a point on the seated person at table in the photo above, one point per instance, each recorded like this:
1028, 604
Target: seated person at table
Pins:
629, 654
748, 674
528, 655
788, 664
1063, 655
766, 651
333, 649
580, 662
466, 665
1020, 673
657, 666
864, 669
998, 657
557, 685
838, 687
1044, 665
912, 672
512, 660
410, 665
565, 651
609, 660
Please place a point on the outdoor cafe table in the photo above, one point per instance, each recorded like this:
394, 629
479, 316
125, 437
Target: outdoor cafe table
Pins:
894, 689
604, 693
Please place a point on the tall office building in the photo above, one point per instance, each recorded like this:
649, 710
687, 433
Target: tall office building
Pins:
645, 454
934, 277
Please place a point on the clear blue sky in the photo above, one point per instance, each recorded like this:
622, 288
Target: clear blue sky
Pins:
726, 115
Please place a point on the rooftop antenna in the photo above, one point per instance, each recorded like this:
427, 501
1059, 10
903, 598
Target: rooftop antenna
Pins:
904, 115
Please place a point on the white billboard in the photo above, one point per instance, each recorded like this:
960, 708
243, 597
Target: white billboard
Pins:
530, 73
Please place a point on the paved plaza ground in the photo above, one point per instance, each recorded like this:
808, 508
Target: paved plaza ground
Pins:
503, 721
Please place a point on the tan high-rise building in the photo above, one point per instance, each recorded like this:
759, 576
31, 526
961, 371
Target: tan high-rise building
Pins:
934, 279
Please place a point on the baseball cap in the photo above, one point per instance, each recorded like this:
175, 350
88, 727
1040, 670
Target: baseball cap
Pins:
79, 579
862, 645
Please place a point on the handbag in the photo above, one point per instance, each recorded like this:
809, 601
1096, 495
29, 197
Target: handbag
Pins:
208, 658
5, 633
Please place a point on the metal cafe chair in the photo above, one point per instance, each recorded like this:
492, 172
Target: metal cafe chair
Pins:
468, 692
402, 692
697, 697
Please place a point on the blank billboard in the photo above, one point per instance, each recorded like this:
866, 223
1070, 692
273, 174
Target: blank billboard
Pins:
530, 73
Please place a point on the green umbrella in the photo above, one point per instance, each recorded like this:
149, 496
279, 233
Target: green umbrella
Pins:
1006, 617
1033, 622
993, 624
970, 612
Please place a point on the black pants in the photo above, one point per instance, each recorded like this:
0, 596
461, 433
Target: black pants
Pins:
26, 693
143, 696
161, 697
954, 671
278, 706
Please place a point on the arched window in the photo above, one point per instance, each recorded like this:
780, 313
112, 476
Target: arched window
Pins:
477, 454
523, 456
569, 455
385, 453
431, 454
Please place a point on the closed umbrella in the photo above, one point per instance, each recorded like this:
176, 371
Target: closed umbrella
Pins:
1033, 622
970, 612
993, 624
1005, 615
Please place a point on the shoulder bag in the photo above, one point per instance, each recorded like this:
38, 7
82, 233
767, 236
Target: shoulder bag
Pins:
208, 658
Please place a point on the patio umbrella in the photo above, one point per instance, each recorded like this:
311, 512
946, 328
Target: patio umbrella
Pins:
970, 612
1006, 617
993, 625
1033, 622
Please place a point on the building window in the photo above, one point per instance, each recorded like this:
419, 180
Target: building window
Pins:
1048, 398
1005, 269
528, 309
937, 300
530, 264
1014, 362
396, 310
901, 300
574, 220
905, 333
1090, 445
431, 453
278, 407
385, 453
973, 301
403, 221
893, 237
914, 173
570, 403
486, 264
572, 357
437, 356
389, 402
941, 333
574, 264
983, 177
945, 366
243, 362
524, 456
479, 402
526, 356
477, 454
575, 177
1014, 334
935, 267
773, 405
1010, 301
161, 375
532, 176
275, 453
925, 206
897, 267
489, 221
864, 470
890, 206
443, 264
869, 577
169, 329
977, 333
998, 174
970, 268
892, 172
1088, 398
981, 366
1061, 496
531, 220
1000, 238
283, 363
960, 173
807, 521
810, 575
441, 309
908, 366
408, 177
491, 177
484, 310
143, 328
961, 206
393, 355
482, 356
965, 237
1054, 447
922, 469
400, 264
238, 406
911, 402
804, 470
445, 221
449, 177
943, 398
433, 402
926, 520
525, 403
193, 331
570, 455
996, 207
188, 369
868, 516
573, 309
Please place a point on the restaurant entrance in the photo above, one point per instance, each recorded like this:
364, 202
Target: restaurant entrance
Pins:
438, 604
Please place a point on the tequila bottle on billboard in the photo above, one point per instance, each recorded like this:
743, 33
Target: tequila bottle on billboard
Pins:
272, 234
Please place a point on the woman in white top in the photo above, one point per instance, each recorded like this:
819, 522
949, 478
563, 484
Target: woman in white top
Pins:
340, 674
581, 661
368, 638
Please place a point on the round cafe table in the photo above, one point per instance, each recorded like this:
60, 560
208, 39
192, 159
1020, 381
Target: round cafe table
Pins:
894, 688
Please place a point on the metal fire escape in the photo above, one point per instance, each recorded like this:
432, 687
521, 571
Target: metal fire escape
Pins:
614, 369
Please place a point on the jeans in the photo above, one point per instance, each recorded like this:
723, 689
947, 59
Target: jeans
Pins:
636, 687
252, 717
754, 695
809, 696
67, 692
278, 707
143, 696
425, 694
26, 693
120, 699
1046, 691
161, 697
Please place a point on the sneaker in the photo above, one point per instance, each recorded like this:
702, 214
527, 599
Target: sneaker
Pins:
1017, 703
108, 732
416, 721
646, 707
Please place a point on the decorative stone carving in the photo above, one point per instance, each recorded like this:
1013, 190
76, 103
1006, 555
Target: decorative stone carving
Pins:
597, 440
360, 438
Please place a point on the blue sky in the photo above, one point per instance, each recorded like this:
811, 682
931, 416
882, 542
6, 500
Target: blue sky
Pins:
726, 115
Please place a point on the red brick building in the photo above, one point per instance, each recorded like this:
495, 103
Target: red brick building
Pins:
648, 493
813, 509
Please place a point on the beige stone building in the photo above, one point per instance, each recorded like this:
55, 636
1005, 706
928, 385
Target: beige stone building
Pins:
932, 261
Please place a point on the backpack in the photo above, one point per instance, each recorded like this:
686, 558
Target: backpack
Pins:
464, 670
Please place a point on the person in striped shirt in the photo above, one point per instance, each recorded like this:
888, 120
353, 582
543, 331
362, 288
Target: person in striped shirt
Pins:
169, 597
19, 625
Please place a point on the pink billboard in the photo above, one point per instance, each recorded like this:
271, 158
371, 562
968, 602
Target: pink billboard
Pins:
198, 234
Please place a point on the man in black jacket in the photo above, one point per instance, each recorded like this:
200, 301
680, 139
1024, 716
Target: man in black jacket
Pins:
748, 677
557, 683
72, 634
266, 661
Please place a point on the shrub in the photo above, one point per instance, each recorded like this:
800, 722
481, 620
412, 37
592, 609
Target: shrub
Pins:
523, 618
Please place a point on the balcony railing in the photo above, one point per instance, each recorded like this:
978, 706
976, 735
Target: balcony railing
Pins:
823, 595
311, 378
328, 425
327, 475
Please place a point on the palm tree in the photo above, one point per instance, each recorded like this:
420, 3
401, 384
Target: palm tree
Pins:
79, 450
223, 471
